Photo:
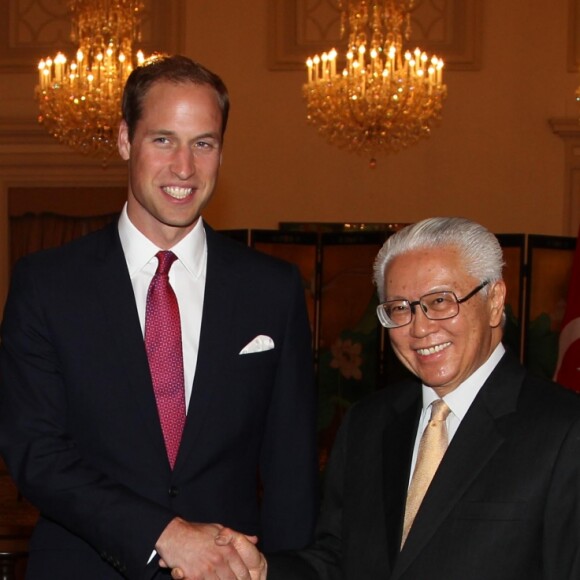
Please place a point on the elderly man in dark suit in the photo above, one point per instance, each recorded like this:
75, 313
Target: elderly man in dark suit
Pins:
485, 487
156, 377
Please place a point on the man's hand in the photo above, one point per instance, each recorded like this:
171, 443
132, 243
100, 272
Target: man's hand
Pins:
192, 552
246, 548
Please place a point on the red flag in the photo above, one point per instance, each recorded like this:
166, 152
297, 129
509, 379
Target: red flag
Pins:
568, 366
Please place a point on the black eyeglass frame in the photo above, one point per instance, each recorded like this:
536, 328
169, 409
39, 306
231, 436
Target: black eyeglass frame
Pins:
415, 303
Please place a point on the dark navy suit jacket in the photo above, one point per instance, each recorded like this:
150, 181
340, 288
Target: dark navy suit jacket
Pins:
79, 427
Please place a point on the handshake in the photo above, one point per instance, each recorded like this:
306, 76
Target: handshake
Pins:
209, 551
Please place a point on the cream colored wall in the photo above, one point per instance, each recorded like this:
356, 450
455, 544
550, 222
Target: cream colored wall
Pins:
495, 158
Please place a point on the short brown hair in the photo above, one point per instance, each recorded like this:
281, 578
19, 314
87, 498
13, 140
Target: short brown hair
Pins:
176, 69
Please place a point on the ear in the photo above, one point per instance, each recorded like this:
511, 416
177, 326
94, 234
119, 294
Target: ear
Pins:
497, 294
123, 143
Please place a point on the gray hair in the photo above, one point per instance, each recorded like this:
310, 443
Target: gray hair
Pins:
479, 248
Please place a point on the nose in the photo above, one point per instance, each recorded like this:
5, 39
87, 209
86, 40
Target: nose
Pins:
420, 324
183, 163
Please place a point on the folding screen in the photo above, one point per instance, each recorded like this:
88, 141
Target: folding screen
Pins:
349, 332
513, 246
299, 248
549, 264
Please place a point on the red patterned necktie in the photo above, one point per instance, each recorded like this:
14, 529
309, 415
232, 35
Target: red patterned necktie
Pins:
163, 344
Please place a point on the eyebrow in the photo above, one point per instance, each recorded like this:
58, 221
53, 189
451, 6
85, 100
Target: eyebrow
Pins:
168, 133
424, 294
209, 135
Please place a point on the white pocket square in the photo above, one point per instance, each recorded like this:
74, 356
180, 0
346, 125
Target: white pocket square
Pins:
258, 344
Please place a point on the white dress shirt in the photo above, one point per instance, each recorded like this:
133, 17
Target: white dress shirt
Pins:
187, 278
459, 400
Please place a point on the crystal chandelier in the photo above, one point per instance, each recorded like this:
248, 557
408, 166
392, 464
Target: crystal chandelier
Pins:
385, 99
80, 101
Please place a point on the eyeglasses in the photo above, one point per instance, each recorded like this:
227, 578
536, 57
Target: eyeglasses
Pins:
435, 306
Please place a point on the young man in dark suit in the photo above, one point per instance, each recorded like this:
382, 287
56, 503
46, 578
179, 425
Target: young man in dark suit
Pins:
502, 499
136, 449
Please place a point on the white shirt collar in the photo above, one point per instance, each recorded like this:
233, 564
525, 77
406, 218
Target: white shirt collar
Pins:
460, 399
139, 250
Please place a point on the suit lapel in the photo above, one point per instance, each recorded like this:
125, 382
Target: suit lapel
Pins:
398, 440
120, 313
479, 436
216, 316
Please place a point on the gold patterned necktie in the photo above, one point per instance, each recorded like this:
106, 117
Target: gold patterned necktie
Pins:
432, 447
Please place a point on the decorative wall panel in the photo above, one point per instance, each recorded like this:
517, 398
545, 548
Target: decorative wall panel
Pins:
450, 29
569, 130
31, 29
574, 36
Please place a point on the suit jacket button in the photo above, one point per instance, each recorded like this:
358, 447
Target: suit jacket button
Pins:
173, 491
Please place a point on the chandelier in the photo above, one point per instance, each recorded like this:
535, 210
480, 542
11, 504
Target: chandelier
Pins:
80, 101
384, 99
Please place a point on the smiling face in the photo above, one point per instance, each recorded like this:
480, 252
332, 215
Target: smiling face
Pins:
443, 353
173, 159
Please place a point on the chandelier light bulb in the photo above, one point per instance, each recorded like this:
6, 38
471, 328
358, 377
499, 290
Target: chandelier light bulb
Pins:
384, 99
80, 100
